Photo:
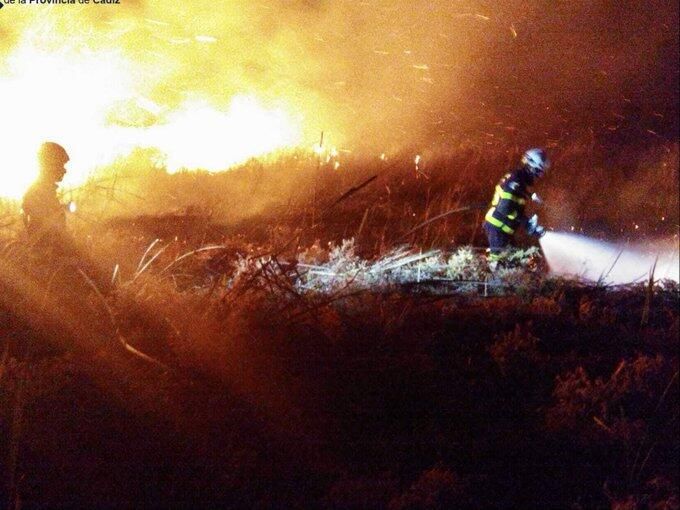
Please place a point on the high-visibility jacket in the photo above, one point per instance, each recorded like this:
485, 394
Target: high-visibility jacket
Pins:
509, 201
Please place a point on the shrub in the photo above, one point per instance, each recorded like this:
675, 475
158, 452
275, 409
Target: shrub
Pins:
517, 350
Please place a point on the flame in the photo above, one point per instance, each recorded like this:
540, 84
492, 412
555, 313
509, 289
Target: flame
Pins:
59, 96
93, 102
197, 136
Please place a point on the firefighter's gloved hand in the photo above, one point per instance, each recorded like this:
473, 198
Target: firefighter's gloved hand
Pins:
536, 198
533, 228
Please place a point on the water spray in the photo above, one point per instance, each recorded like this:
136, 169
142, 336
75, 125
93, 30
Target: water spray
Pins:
608, 263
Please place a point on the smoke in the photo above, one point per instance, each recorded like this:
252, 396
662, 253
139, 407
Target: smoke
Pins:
378, 76
389, 73
598, 261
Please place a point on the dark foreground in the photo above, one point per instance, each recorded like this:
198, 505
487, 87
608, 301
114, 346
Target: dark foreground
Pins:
559, 396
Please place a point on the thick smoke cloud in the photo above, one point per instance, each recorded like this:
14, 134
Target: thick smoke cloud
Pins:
390, 73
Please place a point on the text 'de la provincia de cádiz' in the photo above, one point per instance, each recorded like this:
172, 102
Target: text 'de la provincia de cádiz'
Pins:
58, 2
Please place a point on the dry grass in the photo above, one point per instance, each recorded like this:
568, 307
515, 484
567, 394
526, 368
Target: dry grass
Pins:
291, 368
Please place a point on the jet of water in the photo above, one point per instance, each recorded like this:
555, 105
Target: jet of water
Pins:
592, 260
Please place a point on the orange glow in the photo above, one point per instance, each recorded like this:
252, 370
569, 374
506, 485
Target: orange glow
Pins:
60, 96
90, 102
197, 136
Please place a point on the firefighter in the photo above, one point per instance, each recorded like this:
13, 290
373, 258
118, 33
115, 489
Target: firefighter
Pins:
506, 214
44, 216
45, 220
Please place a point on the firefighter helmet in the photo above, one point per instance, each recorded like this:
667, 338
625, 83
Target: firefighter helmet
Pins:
51, 153
536, 160
52, 158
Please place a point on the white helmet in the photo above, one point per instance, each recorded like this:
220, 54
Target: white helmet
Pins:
536, 160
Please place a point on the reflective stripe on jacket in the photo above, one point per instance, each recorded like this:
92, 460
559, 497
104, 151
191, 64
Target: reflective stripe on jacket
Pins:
509, 200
